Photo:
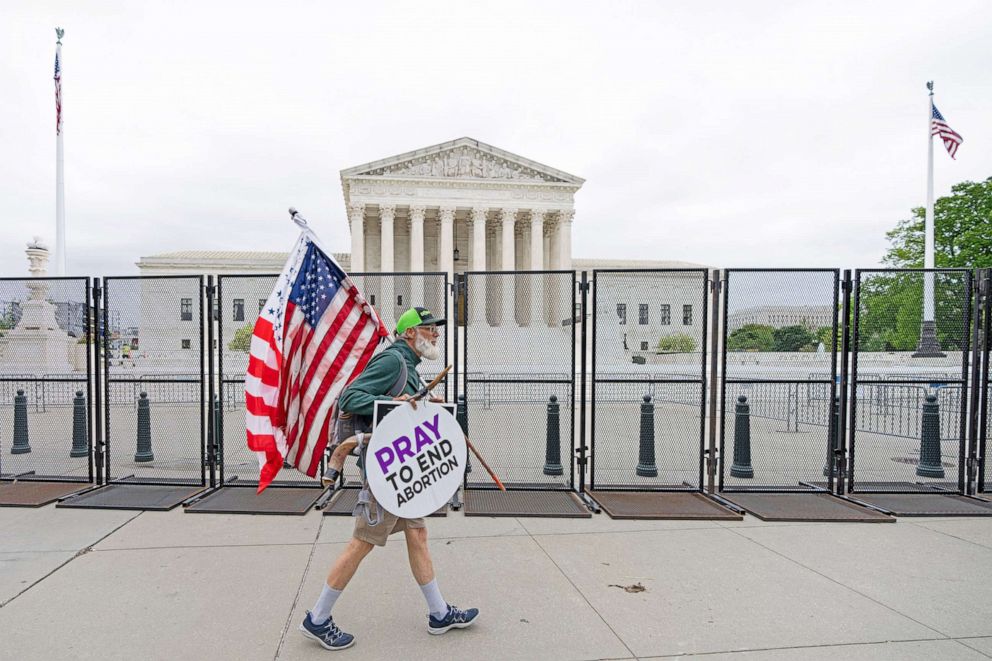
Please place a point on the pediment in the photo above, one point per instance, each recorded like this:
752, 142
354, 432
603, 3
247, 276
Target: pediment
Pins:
464, 158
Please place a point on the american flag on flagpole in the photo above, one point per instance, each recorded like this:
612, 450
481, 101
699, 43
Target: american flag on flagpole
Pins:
939, 127
314, 335
58, 89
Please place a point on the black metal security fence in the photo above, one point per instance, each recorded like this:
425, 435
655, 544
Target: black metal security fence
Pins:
779, 350
909, 372
45, 385
648, 388
240, 299
518, 360
154, 350
982, 399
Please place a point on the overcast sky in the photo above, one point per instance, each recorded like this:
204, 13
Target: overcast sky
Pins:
728, 134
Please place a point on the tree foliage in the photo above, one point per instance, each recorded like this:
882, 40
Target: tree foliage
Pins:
962, 230
793, 338
676, 343
752, 337
242, 338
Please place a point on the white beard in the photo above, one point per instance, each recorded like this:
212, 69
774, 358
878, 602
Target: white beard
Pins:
426, 349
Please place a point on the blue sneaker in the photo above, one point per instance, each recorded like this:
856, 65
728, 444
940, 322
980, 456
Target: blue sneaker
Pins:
455, 619
327, 634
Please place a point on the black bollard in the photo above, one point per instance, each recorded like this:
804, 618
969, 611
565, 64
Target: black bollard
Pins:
742, 440
930, 465
461, 415
833, 430
645, 452
80, 448
21, 444
143, 451
552, 453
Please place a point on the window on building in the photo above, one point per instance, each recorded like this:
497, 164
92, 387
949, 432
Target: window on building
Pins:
372, 299
261, 305
642, 314
239, 309
687, 315
186, 309
622, 313
644, 346
666, 315
399, 300
187, 344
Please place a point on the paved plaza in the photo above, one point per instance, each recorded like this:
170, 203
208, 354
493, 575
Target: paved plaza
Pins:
89, 584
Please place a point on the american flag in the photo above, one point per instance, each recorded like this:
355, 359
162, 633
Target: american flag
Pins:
939, 127
58, 90
314, 335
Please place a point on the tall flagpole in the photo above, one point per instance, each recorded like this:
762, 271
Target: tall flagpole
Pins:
61, 261
929, 346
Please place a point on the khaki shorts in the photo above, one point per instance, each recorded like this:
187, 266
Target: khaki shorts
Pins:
388, 524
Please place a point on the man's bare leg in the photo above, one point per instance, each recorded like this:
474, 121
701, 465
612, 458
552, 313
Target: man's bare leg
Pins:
419, 554
347, 563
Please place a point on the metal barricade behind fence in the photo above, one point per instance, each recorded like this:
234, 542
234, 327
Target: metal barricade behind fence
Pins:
45, 378
894, 447
777, 432
154, 406
648, 420
518, 360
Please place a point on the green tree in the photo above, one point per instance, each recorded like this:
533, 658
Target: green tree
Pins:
676, 343
242, 338
962, 229
752, 337
793, 338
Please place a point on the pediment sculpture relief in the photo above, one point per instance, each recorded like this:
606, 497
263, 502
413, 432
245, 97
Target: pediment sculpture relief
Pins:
463, 163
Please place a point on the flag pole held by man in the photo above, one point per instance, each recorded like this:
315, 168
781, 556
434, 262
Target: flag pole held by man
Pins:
314, 335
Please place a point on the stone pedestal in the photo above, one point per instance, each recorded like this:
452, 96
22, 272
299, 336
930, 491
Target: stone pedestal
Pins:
37, 345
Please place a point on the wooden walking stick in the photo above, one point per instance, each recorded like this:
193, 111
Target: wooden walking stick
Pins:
471, 447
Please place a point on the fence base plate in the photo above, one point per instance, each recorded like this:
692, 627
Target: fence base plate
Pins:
133, 497
552, 504
926, 504
25, 493
804, 507
343, 503
244, 500
662, 505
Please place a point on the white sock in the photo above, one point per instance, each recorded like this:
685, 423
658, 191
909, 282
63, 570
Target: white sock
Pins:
436, 604
322, 609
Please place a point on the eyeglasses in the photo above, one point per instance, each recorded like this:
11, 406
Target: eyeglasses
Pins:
430, 329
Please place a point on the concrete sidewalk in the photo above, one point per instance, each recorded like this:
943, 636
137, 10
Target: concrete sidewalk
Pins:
88, 584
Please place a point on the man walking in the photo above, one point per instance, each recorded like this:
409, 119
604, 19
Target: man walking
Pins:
417, 336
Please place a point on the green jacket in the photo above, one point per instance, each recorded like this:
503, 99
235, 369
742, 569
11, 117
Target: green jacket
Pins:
378, 377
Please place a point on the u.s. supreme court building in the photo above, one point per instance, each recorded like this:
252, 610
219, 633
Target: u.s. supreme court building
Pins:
451, 208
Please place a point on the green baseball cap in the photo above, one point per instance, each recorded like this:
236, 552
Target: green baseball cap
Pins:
417, 317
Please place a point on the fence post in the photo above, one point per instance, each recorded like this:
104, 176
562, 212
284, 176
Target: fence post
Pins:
930, 465
552, 454
21, 444
742, 440
461, 415
645, 455
80, 448
143, 450
833, 429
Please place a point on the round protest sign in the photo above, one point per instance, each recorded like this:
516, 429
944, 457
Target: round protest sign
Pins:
416, 459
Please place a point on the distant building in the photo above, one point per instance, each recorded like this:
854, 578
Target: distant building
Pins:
778, 316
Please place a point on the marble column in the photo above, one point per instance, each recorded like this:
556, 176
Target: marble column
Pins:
416, 254
565, 218
535, 282
509, 218
356, 215
477, 296
387, 306
447, 249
